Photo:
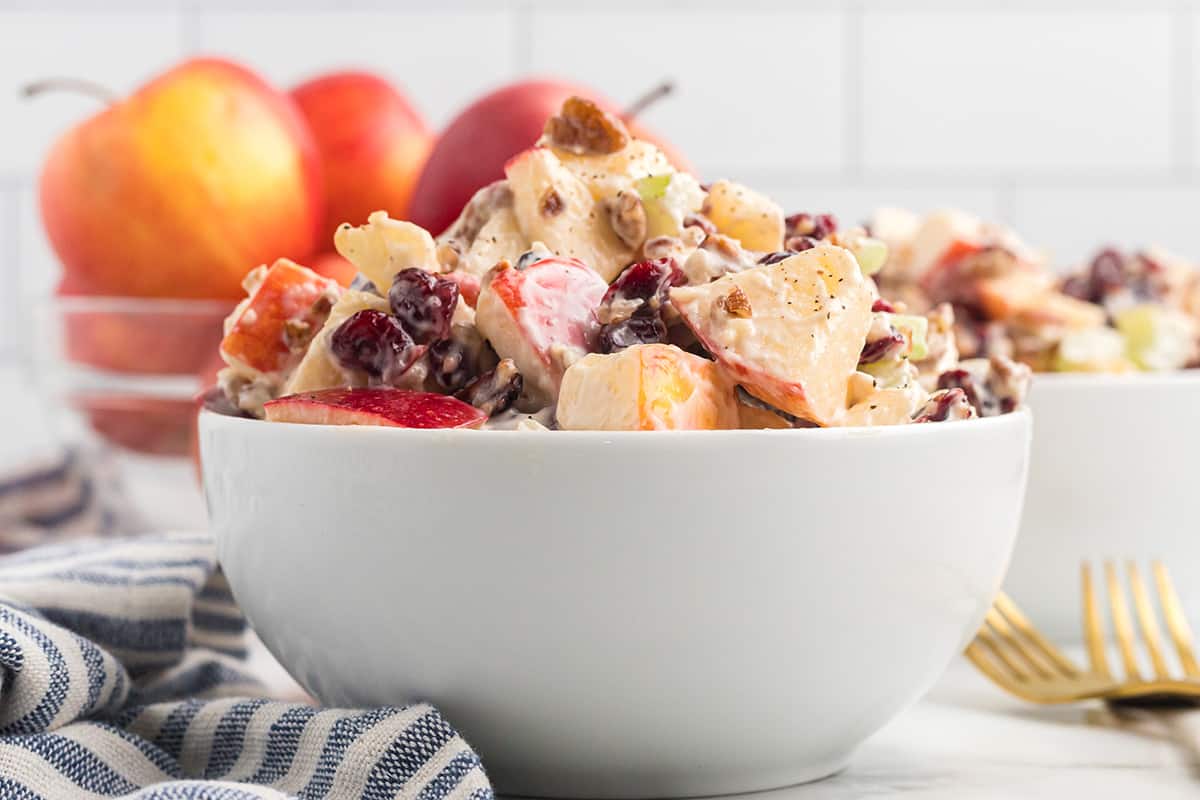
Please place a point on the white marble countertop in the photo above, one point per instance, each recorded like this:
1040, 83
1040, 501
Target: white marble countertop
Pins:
969, 741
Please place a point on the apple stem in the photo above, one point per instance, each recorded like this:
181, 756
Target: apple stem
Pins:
646, 100
77, 85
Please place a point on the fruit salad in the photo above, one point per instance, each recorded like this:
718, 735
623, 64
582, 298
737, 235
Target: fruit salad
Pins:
1122, 312
597, 287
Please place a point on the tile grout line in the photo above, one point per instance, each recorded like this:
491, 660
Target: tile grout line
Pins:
521, 58
9, 232
1005, 192
190, 21
1182, 83
852, 79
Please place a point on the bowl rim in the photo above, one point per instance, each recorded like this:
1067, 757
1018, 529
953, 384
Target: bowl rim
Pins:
1022, 417
1178, 377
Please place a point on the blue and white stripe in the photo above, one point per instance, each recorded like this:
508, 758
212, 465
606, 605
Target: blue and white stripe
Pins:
121, 675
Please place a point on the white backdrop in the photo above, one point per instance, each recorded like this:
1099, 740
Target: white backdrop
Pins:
1074, 121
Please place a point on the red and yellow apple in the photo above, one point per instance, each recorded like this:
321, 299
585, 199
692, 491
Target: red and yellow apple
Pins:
183, 187
372, 142
333, 266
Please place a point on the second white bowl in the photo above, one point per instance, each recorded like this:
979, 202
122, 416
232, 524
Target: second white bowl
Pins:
1114, 473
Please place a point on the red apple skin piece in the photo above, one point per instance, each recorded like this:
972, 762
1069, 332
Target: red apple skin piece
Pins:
372, 142
468, 285
183, 187
528, 314
390, 408
472, 150
942, 273
256, 337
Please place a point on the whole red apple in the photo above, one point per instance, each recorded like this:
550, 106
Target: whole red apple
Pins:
332, 265
180, 189
472, 150
372, 141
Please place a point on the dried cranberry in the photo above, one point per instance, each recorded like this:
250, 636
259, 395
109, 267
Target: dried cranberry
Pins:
776, 257
1111, 272
980, 396
1107, 271
798, 244
450, 365
424, 304
529, 258
646, 281
495, 390
940, 405
638, 329
815, 226
883, 305
881, 347
375, 343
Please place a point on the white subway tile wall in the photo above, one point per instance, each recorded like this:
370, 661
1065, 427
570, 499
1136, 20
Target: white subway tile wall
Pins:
1073, 120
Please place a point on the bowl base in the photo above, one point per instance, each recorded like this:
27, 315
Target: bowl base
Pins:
779, 786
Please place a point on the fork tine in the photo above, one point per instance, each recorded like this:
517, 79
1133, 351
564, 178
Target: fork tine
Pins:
1122, 624
1147, 621
986, 635
983, 657
1006, 634
1018, 620
1177, 625
1093, 626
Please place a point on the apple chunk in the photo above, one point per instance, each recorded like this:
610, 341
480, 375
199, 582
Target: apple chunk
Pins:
543, 317
268, 331
743, 214
791, 332
392, 408
385, 246
646, 387
319, 369
553, 206
1031, 299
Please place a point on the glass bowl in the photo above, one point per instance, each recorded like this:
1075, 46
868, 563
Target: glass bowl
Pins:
120, 376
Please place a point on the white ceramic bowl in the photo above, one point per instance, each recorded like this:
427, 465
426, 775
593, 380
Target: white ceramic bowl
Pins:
1114, 473
622, 615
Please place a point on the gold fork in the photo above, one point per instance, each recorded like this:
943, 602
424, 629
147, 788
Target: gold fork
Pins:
1010, 651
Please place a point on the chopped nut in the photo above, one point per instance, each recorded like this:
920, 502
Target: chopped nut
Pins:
552, 204
482, 205
296, 334
660, 247
448, 255
699, 221
494, 391
735, 304
583, 128
627, 216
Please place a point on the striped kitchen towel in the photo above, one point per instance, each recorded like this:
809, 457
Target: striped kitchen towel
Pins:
122, 675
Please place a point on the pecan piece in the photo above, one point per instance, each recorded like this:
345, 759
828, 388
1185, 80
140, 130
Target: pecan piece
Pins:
627, 216
493, 391
583, 128
735, 304
297, 334
551, 204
